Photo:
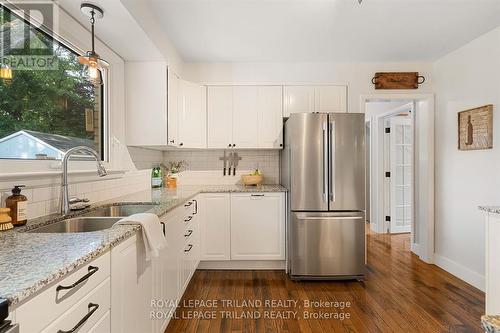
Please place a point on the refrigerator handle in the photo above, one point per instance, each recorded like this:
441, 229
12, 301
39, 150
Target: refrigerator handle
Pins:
325, 162
333, 161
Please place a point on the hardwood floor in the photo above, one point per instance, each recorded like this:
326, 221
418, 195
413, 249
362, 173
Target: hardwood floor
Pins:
401, 294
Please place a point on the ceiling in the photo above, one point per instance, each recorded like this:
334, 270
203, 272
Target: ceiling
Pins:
322, 30
116, 29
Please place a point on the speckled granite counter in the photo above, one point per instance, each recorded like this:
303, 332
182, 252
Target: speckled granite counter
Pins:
490, 209
31, 261
491, 324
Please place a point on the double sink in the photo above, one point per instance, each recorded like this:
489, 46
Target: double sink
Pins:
98, 219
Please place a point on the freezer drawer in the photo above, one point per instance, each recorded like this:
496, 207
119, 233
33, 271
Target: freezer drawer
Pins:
327, 245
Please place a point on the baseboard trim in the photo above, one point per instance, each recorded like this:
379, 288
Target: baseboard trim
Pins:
461, 272
243, 264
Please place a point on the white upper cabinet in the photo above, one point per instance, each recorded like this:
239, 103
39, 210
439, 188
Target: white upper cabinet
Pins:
330, 98
245, 117
146, 103
325, 98
192, 116
220, 117
270, 120
298, 99
173, 98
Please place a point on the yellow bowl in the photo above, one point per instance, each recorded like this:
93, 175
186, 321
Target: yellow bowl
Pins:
251, 179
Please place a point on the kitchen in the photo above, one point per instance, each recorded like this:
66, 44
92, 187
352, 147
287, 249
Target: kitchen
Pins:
181, 103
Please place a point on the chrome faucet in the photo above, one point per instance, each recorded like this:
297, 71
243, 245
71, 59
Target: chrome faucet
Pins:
101, 171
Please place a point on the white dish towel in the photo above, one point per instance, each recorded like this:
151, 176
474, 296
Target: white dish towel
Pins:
152, 232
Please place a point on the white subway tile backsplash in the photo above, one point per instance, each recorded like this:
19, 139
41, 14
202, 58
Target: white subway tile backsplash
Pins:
206, 164
46, 199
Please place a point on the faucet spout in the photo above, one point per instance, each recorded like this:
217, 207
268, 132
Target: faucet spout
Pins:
101, 171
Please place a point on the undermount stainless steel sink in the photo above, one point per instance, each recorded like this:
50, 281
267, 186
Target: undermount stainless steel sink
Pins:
119, 211
98, 219
78, 224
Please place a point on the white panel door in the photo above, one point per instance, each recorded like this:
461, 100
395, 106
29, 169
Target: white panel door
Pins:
215, 227
330, 98
173, 108
257, 226
270, 110
401, 166
298, 99
245, 117
193, 116
220, 117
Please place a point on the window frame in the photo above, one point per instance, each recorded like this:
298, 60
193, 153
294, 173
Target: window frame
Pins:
104, 96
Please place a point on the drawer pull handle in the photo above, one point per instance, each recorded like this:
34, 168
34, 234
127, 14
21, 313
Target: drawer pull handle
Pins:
92, 271
189, 248
92, 308
188, 219
188, 204
189, 233
257, 195
163, 227
195, 207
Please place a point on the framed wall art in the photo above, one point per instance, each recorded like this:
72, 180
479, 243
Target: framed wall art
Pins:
475, 128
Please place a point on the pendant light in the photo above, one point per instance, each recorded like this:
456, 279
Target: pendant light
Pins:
91, 59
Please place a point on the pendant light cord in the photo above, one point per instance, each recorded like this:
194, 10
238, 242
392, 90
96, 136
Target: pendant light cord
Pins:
92, 21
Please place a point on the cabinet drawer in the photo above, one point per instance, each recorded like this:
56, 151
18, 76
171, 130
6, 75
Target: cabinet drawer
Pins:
103, 325
85, 314
45, 307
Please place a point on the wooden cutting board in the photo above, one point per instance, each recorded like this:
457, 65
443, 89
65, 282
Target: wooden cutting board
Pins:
397, 80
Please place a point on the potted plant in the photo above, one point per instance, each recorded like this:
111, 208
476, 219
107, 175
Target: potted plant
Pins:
171, 171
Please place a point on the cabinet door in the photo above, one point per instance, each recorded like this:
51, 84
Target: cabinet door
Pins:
193, 116
270, 113
146, 103
257, 226
245, 117
220, 117
330, 98
215, 227
173, 108
131, 287
298, 99
492, 264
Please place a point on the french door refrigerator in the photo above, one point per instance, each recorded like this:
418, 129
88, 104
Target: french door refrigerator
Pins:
323, 168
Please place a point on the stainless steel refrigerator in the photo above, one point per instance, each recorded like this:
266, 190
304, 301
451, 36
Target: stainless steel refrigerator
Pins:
323, 167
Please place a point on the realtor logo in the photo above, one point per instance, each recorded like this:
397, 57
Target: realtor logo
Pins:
26, 35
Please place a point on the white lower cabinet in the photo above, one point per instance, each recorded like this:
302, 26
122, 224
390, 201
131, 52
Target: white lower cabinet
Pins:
131, 287
63, 304
492, 264
216, 227
257, 226
243, 226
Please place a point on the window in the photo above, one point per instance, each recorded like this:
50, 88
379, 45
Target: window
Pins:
48, 105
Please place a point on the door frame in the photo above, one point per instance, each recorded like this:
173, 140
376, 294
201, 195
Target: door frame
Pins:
422, 242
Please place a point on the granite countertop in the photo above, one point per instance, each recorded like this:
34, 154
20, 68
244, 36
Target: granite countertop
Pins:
31, 261
491, 324
490, 209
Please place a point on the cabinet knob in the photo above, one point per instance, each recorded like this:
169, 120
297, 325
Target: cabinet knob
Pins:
181, 144
281, 145
229, 145
234, 145
172, 141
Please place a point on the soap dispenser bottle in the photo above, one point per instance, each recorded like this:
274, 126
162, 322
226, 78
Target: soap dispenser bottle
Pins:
18, 205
